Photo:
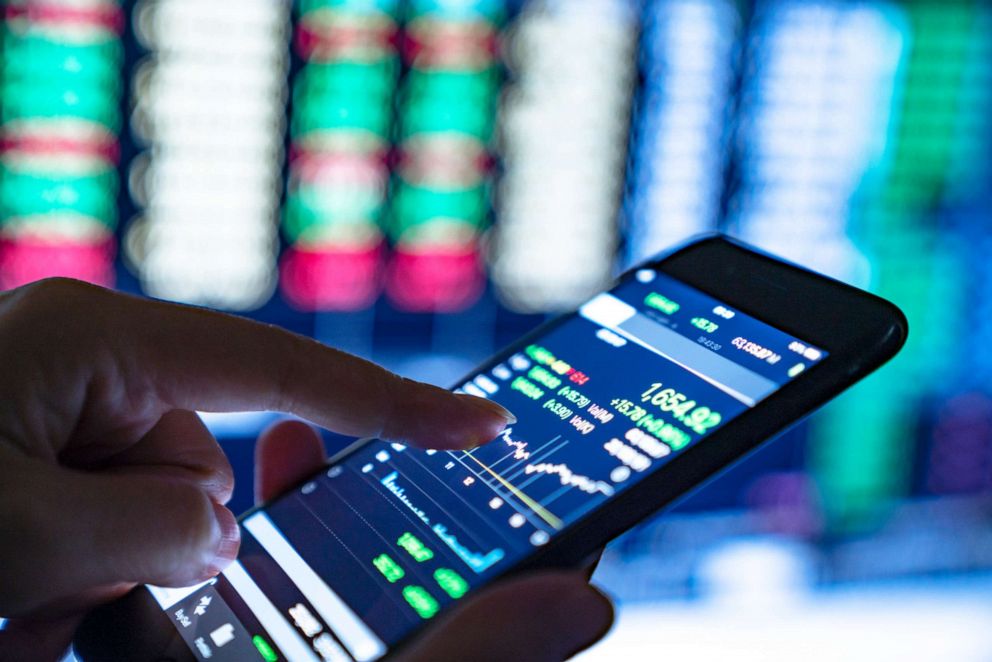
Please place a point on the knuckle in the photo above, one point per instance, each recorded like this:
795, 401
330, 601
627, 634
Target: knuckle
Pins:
50, 299
58, 290
51, 327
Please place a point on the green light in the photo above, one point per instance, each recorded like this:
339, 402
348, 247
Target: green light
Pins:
28, 194
442, 115
103, 46
422, 602
477, 86
416, 205
28, 100
543, 377
46, 62
527, 388
451, 582
662, 303
332, 112
414, 547
492, 11
795, 370
312, 207
365, 6
368, 79
389, 568
704, 324
264, 649
540, 354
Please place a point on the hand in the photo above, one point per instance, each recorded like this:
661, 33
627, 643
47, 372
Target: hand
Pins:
546, 616
107, 476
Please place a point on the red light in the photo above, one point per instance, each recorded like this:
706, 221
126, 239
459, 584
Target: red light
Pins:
442, 279
27, 259
326, 42
338, 168
326, 278
107, 15
436, 44
39, 144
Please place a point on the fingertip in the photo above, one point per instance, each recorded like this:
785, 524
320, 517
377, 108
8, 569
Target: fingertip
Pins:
464, 436
434, 418
489, 419
489, 406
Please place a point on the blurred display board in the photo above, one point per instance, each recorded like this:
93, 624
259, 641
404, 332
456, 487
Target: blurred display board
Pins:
423, 180
61, 91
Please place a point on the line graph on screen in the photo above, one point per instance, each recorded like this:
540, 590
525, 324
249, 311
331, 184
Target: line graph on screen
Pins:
528, 465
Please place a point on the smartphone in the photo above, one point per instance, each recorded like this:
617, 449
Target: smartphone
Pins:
690, 362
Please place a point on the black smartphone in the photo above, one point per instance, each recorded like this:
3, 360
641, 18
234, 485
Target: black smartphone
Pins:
647, 390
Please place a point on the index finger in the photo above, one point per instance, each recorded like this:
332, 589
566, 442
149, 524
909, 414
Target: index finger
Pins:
192, 358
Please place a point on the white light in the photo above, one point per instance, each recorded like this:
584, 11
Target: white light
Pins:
564, 136
209, 101
486, 384
607, 310
620, 474
539, 538
472, 389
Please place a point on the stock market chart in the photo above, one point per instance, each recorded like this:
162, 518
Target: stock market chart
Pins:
421, 182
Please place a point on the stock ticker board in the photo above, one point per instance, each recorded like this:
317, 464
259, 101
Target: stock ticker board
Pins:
422, 171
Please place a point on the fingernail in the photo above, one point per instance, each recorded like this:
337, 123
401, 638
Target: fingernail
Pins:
590, 618
489, 406
230, 538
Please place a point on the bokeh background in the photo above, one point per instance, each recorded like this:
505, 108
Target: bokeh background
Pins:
422, 181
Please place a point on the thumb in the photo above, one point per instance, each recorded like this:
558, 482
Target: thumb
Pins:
545, 617
79, 532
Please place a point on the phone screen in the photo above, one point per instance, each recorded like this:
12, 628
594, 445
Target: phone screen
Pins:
353, 561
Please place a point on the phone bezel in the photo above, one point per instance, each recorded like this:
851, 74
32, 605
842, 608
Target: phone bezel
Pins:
860, 332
